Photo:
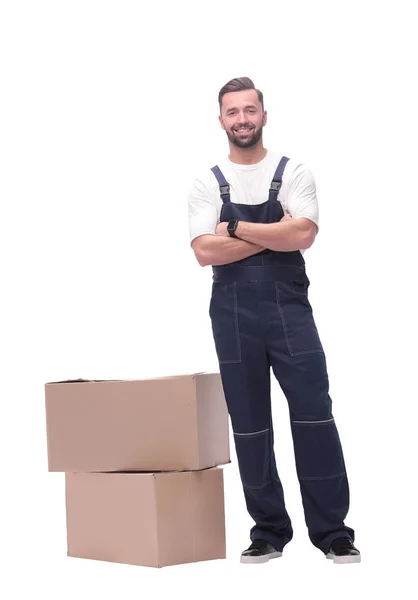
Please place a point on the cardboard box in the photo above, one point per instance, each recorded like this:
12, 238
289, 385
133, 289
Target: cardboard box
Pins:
163, 424
148, 519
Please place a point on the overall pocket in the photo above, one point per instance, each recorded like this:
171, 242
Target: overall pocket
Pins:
301, 284
297, 318
223, 312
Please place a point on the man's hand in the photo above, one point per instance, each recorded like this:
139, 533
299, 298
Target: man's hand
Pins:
288, 235
221, 229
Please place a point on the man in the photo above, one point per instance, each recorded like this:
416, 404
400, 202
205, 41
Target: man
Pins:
252, 218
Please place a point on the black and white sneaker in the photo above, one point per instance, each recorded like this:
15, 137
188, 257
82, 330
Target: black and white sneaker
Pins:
342, 551
260, 551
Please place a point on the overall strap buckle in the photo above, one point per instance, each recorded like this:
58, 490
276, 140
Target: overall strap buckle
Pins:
223, 184
276, 184
224, 190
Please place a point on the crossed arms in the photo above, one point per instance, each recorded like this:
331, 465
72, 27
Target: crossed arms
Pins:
285, 236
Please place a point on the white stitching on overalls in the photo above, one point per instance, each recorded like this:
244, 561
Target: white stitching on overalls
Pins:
322, 478
253, 432
313, 422
236, 321
289, 347
237, 334
283, 320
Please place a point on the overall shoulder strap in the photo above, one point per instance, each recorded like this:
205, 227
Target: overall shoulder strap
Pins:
223, 184
276, 183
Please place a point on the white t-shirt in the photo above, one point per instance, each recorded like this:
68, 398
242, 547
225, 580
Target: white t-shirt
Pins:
250, 184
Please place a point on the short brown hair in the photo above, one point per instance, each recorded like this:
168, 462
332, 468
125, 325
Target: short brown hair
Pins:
239, 84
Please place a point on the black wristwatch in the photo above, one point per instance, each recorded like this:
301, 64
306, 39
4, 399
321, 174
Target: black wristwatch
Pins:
232, 225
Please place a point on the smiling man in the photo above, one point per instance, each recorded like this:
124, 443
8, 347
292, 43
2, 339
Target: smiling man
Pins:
251, 218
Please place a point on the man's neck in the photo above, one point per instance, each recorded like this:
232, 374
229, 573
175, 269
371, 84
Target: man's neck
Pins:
247, 156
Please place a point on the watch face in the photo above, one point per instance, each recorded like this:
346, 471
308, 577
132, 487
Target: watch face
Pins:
232, 225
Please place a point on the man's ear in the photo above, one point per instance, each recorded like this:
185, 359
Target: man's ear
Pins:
221, 121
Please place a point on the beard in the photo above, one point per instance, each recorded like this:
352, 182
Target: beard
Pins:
245, 141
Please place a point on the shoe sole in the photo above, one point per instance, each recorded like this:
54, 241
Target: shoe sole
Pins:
342, 560
260, 559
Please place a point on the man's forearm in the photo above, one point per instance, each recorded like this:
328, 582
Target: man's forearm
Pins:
222, 250
284, 236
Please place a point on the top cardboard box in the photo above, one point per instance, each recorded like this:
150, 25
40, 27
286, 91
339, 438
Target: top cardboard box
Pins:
177, 423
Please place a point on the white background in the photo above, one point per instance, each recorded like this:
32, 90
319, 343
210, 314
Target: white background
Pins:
108, 109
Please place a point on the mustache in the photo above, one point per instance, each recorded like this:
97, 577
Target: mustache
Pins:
243, 125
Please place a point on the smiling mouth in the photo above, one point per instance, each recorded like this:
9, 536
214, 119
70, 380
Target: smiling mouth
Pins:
243, 130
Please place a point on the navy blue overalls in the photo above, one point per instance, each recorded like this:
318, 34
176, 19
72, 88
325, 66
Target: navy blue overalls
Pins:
262, 319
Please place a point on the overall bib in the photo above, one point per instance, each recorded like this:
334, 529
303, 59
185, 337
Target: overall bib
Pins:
262, 319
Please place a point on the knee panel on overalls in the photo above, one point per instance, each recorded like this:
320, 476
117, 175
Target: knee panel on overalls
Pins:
318, 451
254, 454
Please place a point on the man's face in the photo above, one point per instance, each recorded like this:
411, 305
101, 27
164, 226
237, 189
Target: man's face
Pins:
242, 118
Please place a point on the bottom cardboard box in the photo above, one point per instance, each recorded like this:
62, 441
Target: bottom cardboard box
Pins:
147, 519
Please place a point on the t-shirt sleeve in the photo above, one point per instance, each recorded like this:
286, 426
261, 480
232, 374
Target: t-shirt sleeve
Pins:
301, 195
202, 210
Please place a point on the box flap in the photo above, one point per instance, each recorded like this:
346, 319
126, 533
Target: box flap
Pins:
80, 380
122, 425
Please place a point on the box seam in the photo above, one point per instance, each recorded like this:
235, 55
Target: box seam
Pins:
157, 521
193, 511
199, 446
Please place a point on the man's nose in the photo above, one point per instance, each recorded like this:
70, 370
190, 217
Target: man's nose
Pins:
241, 118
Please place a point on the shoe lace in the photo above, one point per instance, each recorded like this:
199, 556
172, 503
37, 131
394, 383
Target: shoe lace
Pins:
343, 543
257, 544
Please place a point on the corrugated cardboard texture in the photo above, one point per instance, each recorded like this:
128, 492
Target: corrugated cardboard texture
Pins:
162, 424
191, 516
175, 511
112, 517
146, 519
207, 493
